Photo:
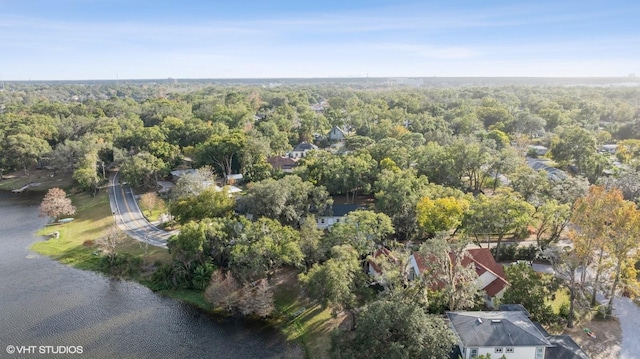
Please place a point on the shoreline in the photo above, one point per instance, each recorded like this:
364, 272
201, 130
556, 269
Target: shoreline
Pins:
94, 214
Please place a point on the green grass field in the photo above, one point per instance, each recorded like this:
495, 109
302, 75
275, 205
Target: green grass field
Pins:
76, 246
302, 321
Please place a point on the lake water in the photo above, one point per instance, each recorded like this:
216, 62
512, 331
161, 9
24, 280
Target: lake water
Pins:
44, 303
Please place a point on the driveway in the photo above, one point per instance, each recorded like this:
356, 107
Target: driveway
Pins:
129, 217
628, 313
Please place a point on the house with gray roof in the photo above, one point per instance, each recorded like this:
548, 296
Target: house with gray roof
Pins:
509, 335
301, 150
338, 214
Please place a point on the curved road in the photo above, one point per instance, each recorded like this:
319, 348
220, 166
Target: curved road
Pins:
129, 217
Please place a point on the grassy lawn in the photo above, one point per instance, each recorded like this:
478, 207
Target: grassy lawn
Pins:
561, 298
75, 246
312, 326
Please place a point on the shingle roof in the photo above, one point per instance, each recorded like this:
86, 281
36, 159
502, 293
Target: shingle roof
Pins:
489, 329
340, 210
564, 348
483, 261
305, 146
514, 308
282, 162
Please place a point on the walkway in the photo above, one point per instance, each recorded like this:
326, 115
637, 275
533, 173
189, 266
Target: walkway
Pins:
129, 217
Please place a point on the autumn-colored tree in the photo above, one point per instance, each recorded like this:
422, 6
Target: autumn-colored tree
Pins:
256, 298
150, 201
593, 215
550, 219
623, 238
109, 240
56, 204
223, 290
442, 214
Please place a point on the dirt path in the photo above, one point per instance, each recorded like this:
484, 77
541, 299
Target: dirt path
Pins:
606, 345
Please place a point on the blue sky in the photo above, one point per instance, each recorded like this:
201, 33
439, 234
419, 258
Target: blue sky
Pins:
138, 39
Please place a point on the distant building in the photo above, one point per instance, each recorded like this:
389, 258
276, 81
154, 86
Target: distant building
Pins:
539, 150
336, 134
233, 178
552, 172
285, 164
301, 150
339, 211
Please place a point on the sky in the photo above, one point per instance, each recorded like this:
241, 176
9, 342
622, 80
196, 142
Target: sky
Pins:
155, 39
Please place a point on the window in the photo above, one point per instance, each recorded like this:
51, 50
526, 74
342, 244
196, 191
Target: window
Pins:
508, 350
474, 352
498, 350
539, 353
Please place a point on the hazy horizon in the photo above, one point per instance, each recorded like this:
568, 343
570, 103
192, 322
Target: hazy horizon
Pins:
85, 40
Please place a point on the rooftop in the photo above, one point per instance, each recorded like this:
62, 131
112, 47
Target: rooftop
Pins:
489, 329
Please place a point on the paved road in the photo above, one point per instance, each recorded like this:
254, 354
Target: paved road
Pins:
628, 313
129, 217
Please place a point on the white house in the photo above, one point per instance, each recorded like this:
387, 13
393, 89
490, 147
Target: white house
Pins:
336, 134
301, 150
339, 211
509, 335
491, 276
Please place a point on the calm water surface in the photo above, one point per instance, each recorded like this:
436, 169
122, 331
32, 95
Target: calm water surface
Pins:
45, 303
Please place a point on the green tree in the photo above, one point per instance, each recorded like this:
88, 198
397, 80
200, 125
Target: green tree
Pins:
505, 212
311, 243
550, 220
333, 284
25, 149
574, 145
363, 230
288, 200
210, 203
221, 150
188, 248
262, 247
397, 194
142, 169
531, 289
396, 330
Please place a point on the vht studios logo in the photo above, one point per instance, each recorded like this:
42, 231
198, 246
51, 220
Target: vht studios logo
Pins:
44, 349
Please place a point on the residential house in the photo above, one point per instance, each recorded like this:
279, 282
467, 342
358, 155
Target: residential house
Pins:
301, 150
339, 211
176, 174
373, 269
552, 172
491, 276
509, 335
233, 178
336, 134
285, 164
